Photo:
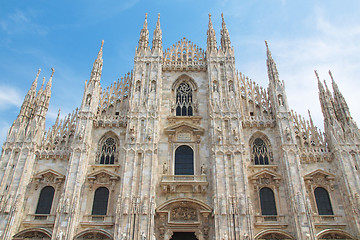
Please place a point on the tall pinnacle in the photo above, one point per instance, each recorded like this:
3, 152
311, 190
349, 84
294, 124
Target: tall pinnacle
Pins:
225, 37
272, 69
341, 107
211, 37
157, 37
98, 63
325, 100
34, 84
144, 36
49, 83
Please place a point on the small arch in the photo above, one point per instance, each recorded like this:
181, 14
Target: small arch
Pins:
200, 203
184, 160
100, 203
260, 152
334, 234
271, 234
267, 201
323, 202
108, 149
45, 200
94, 234
40, 233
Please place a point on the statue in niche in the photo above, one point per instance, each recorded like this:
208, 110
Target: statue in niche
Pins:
165, 168
281, 101
143, 236
203, 169
60, 235
67, 206
88, 100
123, 236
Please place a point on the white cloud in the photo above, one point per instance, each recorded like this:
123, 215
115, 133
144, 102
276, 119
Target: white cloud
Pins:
20, 22
9, 97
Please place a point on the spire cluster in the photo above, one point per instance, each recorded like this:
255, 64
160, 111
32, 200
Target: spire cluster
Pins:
143, 45
333, 105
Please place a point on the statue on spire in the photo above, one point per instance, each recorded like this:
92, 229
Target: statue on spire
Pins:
225, 37
211, 37
144, 36
157, 37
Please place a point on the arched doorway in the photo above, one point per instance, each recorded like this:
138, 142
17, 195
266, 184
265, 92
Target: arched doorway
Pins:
184, 236
183, 219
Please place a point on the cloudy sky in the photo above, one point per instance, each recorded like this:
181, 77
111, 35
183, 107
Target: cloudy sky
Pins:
303, 36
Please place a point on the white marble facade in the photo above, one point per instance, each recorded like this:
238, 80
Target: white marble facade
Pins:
183, 147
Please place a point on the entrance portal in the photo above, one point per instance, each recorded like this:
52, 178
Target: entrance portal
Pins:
183, 236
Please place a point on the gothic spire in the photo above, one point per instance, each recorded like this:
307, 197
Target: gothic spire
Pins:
98, 63
144, 36
34, 84
341, 107
225, 37
211, 37
157, 37
271, 65
49, 83
325, 100
29, 100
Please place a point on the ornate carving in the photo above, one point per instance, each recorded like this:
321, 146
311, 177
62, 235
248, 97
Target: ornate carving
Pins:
183, 214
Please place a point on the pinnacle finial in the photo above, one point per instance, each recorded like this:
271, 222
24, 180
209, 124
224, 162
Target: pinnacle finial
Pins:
331, 76
43, 83
145, 21
317, 75
38, 73
268, 52
53, 71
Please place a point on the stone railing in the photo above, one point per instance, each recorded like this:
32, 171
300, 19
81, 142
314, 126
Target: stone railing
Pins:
97, 220
271, 220
328, 220
258, 121
110, 121
184, 183
39, 219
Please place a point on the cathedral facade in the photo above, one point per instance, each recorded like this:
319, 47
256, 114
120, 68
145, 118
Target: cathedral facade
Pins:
182, 147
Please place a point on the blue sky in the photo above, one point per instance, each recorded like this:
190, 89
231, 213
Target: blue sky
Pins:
303, 36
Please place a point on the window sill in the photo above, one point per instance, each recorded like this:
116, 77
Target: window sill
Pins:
184, 183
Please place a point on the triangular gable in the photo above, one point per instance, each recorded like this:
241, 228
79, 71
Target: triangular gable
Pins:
184, 125
47, 173
94, 175
265, 172
328, 175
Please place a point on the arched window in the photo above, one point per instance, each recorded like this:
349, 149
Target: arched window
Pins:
184, 161
323, 201
260, 152
100, 203
184, 104
45, 200
267, 201
108, 150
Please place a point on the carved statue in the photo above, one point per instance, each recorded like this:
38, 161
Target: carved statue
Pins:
67, 206
165, 168
203, 169
60, 235
143, 236
225, 237
123, 236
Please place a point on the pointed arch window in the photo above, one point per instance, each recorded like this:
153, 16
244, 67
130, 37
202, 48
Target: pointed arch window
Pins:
100, 204
184, 100
260, 152
108, 151
267, 201
323, 201
45, 200
184, 161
